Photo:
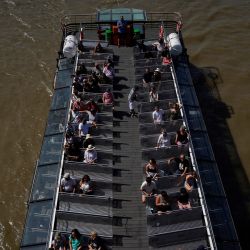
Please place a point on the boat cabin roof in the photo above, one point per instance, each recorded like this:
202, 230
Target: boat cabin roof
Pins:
112, 15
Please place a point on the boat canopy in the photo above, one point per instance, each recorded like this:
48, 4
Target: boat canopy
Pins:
112, 15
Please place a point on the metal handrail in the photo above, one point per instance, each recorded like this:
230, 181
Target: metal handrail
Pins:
91, 18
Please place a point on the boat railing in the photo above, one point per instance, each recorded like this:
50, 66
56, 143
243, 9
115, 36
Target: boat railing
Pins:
207, 219
92, 17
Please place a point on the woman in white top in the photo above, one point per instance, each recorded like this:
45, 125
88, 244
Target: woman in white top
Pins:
164, 140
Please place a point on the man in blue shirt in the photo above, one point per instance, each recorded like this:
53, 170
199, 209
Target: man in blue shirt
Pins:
121, 24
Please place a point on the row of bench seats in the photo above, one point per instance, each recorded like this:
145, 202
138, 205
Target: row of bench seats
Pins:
182, 229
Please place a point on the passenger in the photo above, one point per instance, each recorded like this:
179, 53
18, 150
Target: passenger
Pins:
148, 188
76, 241
77, 105
110, 61
163, 140
183, 199
84, 127
109, 73
95, 242
77, 85
153, 95
159, 46
156, 79
88, 141
121, 24
93, 84
147, 78
183, 164
92, 105
132, 98
85, 185
190, 181
181, 136
107, 97
92, 116
98, 69
72, 150
158, 116
59, 242
98, 48
90, 155
67, 184
151, 169
81, 69
175, 111
162, 202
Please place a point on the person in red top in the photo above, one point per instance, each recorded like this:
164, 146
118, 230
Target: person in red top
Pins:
107, 97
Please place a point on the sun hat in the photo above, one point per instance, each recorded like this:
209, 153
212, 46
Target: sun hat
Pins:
66, 175
157, 69
90, 147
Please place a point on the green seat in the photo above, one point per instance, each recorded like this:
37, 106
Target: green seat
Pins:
108, 34
137, 33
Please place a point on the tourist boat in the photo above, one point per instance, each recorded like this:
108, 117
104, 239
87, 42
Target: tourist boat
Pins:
124, 144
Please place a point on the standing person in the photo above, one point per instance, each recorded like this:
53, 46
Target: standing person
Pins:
147, 78
75, 240
121, 24
132, 98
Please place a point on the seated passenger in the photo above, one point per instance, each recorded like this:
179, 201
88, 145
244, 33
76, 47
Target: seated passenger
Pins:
163, 140
90, 155
162, 202
175, 110
67, 184
91, 116
98, 69
59, 242
107, 97
85, 185
88, 141
98, 48
95, 242
92, 105
153, 95
84, 127
158, 116
181, 136
182, 163
81, 69
72, 150
148, 188
77, 105
109, 72
151, 169
190, 181
183, 199
76, 241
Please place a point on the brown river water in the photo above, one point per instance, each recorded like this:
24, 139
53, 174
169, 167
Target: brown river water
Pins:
216, 34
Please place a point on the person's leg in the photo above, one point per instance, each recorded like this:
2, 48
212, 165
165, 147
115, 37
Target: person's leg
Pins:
143, 198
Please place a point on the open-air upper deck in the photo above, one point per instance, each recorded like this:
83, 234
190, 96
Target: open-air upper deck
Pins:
124, 145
